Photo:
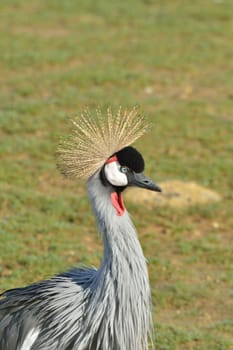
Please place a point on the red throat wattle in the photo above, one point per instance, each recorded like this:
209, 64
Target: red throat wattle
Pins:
117, 202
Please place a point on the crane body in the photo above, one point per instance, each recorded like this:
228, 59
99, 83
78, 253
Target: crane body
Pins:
90, 309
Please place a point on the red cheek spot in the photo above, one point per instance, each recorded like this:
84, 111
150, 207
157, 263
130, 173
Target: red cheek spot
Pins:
117, 202
112, 159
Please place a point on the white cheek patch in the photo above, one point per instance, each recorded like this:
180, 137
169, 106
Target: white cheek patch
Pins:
114, 175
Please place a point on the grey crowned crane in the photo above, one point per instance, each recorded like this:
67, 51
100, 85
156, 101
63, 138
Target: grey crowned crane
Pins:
108, 308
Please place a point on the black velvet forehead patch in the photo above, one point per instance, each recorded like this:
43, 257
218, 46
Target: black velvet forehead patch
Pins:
131, 158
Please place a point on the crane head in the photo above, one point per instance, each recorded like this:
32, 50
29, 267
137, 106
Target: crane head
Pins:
124, 169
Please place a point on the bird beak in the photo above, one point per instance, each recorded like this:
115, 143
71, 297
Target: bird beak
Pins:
140, 180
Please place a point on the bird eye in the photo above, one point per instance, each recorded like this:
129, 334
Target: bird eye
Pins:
124, 169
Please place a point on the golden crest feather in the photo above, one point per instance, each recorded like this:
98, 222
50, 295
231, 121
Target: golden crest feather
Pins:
94, 138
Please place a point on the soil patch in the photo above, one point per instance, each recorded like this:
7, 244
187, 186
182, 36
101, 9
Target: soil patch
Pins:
175, 193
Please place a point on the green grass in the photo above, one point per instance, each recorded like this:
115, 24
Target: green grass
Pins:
173, 58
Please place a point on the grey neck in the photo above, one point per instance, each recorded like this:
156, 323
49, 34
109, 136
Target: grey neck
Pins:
118, 232
123, 271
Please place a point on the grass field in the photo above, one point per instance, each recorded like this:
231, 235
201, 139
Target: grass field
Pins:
173, 58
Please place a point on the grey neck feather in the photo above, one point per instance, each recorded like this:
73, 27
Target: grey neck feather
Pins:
122, 291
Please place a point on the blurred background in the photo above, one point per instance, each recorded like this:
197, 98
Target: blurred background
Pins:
174, 60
